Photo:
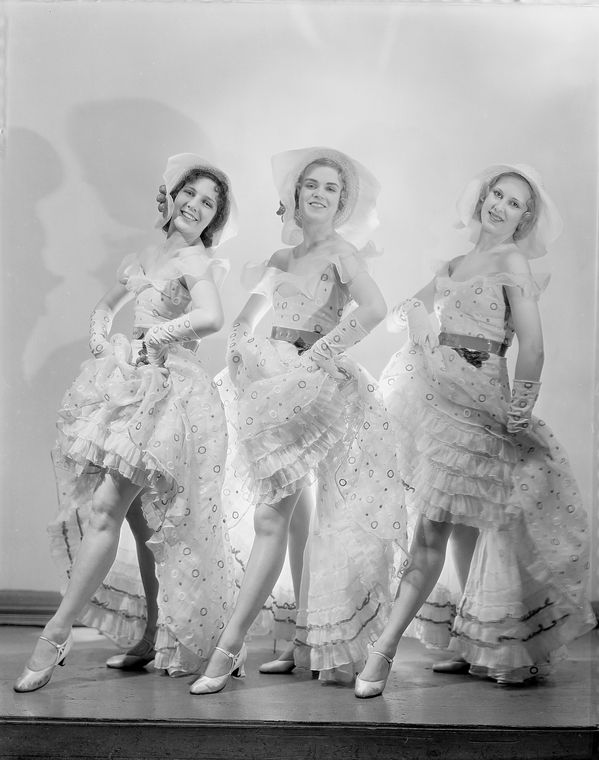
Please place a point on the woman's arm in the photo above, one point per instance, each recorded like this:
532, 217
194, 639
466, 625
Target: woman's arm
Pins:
206, 316
114, 299
371, 308
527, 323
100, 320
397, 320
369, 311
529, 363
254, 311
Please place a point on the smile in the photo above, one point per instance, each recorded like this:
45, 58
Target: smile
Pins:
494, 217
190, 217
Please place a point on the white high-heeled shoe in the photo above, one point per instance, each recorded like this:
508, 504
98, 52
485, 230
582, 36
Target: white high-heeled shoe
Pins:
214, 684
135, 659
277, 666
284, 663
30, 680
366, 689
457, 665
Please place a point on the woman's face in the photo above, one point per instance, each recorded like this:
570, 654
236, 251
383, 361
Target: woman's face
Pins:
319, 194
195, 206
504, 206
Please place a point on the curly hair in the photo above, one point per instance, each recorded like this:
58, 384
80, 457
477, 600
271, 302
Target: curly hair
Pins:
324, 161
529, 218
223, 206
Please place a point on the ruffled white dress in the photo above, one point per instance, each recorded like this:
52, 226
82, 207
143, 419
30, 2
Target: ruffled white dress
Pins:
525, 595
295, 423
165, 430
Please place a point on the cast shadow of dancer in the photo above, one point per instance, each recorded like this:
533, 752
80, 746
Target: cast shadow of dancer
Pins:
33, 172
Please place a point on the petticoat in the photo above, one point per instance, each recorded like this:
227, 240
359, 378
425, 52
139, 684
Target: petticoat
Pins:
163, 429
525, 594
295, 422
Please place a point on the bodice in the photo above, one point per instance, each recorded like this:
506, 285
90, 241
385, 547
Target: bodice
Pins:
156, 275
311, 294
318, 311
479, 306
476, 307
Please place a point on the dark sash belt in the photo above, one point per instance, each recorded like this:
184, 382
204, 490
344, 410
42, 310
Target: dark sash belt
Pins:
301, 339
473, 343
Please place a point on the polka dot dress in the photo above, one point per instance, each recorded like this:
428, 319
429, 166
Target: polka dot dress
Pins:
295, 423
165, 430
525, 595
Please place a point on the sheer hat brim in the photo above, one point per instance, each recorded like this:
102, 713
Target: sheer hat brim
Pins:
548, 224
358, 218
176, 168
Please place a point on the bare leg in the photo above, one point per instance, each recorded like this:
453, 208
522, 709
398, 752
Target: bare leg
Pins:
147, 567
298, 536
264, 567
428, 555
299, 529
94, 559
463, 540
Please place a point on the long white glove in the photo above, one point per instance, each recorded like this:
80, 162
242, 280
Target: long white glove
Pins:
100, 322
413, 314
524, 396
159, 337
240, 332
347, 333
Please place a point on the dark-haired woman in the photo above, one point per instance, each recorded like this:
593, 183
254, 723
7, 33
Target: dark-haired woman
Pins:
142, 436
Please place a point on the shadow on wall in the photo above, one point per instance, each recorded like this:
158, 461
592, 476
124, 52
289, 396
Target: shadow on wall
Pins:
122, 146
33, 171
100, 215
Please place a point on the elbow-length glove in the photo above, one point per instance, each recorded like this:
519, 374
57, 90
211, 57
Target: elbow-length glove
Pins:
100, 322
524, 396
158, 338
412, 314
240, 333
347, 333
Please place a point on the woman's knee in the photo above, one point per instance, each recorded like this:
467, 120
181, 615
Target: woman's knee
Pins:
110, 503
432, 534
270, 520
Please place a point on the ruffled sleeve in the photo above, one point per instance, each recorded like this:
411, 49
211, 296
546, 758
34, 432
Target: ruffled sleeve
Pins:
129, 264
260, 278
351, 263
530, 285
195, 262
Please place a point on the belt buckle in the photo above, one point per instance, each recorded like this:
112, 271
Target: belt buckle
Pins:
301, 345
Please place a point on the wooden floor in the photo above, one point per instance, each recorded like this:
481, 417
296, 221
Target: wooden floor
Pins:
89, 711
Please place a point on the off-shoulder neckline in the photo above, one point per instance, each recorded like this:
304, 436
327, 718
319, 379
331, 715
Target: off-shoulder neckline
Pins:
479, 276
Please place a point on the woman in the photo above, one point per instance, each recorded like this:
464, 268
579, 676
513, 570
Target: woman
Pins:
142, 429
304, 409
479, 463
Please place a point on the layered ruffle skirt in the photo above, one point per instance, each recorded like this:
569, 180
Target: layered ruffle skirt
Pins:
294, 423
164, 429
525, 594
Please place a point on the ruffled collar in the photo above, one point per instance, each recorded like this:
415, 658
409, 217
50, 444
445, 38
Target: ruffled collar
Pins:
304, 272
157, 265
533, 283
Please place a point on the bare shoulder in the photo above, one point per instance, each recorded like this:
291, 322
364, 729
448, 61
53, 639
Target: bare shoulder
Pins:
280, 259
343, 247
514, 261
